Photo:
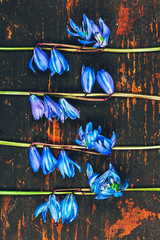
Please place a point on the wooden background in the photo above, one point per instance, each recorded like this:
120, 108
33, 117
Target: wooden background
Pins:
133, 24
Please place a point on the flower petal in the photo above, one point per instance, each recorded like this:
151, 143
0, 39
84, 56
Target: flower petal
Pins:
31, 65
40, 58
105, 81
69, 110
34, 158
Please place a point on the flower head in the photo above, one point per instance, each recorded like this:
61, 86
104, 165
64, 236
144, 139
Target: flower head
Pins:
101, 34
105, 81
84, 32
69, 110
87, 79
40, 58
66, 165
53, 205
57, 63
34, 158
48, 161
37, 106
69, 208
52, 109
107, 184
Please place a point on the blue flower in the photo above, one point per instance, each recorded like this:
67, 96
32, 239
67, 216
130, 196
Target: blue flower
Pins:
57, 63
84, 32
48, 161
88, 137
40, 58
52, 109
87, 79
107, 184
34, 158
104, 145
69, 208
101, 34
37, 106
69, 110
66, 165
53, 205
105, 81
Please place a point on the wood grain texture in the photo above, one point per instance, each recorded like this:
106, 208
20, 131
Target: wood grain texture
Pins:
133, 23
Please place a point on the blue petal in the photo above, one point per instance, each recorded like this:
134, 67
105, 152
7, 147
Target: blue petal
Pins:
87, 26
89, 170
63, 61
59, 63
92, 180
87, 79
44, 213
102, 197
39, 209
71, 33
105, 32
124, 186
74, 211
41, 59
88, 128
73, 25
118, 194
101, 149
85, 42
81, 133
81, 143
34, 158
61, 163
69, 110
97, 33
99, 129
105, 81
54, 207
81, 34
31, 65
113, 139
37, 106
66, 207
46, 161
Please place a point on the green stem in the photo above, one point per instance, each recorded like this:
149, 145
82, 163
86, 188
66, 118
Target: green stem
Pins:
83, 96
74, 48
75, 147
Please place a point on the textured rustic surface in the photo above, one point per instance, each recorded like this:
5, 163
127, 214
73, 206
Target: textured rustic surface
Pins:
133, 24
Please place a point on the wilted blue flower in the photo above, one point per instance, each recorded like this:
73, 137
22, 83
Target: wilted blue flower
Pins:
57, 63
40, 58
37, 106
104, 145
69, 208
53, 205
69, 110
52, 109
105, 81
66, 165
87, 79
107, 184
88, 137
84, 32
48, 161
34, 158
101, 34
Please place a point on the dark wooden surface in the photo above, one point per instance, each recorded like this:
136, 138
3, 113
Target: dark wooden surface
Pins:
135, 23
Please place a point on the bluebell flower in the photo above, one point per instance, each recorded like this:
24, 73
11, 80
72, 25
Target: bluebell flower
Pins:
40, 58
84, 32
69, 208
88, 137
107, 184
105, 81
68, 109
53, 205
66, 165
87, 79
34, 158
37, 106
104, 145
52, 109
101, 34
48, 161
57, 63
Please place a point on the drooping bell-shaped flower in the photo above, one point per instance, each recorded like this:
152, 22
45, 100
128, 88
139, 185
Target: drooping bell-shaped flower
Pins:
34, 158
107, 184
84, 32
53, 205
57, 63
48, 161
69, 208
66, 165
105, 81
40, 59
37, 106
87, 79
101, 34
68, 109
52, 109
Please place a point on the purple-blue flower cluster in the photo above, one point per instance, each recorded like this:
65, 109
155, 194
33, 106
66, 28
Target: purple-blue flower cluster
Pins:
51, 109
108, 184
92, 138
48, 162
104, 79
67, 209
57, 62
101, 34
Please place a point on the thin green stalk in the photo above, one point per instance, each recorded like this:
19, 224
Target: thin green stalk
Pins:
83, 96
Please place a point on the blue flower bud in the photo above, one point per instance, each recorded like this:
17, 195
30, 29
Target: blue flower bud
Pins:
105, 81
87, 79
